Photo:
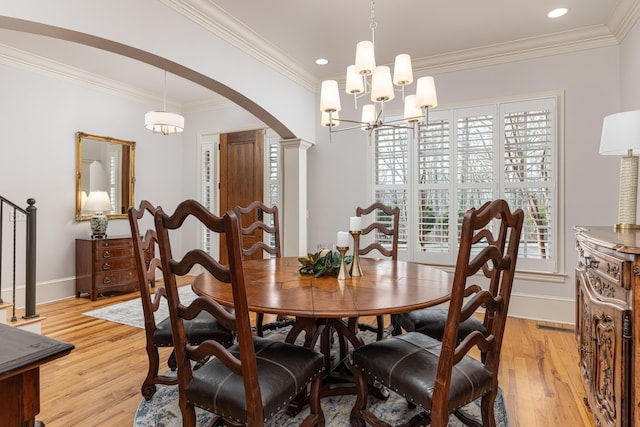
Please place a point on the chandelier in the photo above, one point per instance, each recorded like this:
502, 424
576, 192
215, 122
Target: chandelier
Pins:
163, 121
365, 78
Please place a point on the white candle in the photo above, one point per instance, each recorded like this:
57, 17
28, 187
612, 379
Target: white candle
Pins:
343, 239
355, 223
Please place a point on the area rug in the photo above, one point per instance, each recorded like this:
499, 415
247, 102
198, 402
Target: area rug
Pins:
163, 411
130, 312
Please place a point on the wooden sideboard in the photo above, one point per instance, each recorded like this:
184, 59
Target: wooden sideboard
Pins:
105, 265
607, 313
21, 354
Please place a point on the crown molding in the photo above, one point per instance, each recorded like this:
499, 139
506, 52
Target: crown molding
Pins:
518, 50
29, 61
623, 18
217, 21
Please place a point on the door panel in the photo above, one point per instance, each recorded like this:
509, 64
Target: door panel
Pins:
241, 176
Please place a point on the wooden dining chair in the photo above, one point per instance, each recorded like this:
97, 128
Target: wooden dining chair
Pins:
441, 377
252, 380
158, 333
382, 229
255, 229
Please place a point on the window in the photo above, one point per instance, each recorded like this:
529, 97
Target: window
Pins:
464, 158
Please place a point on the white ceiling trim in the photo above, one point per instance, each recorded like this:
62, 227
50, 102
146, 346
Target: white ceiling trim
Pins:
29, 61
535, 47
218, 22
623, 18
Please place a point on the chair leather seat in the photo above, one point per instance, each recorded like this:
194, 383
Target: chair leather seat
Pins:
409, 362
431, 321
284, 370
203, 327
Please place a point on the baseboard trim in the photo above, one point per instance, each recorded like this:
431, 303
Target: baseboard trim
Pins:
543, 308
45, 292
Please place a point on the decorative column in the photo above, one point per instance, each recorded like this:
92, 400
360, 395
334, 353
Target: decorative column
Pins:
293, 226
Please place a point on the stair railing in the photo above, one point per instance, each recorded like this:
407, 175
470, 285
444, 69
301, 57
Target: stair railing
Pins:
30, 255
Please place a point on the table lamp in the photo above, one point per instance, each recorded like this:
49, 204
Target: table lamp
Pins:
621, 137
98, 202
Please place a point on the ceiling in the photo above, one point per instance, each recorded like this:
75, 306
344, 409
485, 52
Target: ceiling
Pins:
293, 32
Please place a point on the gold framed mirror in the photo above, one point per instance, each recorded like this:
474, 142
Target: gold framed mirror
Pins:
104, 164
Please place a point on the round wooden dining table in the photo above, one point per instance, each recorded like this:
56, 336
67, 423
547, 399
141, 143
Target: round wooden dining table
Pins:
321, 304
386, 287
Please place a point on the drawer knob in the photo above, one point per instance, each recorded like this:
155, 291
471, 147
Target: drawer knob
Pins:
106, 266
106, 254
106, 280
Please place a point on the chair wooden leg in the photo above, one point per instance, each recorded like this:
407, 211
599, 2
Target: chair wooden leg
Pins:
188, 412
148, 388
316, 416
360, 404
173, 365
380, 331
487, 406
259, 324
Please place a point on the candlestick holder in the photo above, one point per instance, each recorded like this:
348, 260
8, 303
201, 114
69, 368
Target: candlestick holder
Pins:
356, 271
343, 274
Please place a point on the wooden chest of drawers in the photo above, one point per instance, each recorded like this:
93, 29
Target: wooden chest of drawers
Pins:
105, 265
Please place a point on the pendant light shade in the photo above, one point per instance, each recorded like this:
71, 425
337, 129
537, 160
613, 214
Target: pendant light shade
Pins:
329, 96
402, 72
426, 93
381, 85
365, 58
163, 121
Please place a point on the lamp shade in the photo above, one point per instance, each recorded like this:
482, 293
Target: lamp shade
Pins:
426, 93
402, 72
163, 122
620, 133
368, 116
381, 84
330, 119
355, 84
329, 96
365, 58
98, 201
411, 112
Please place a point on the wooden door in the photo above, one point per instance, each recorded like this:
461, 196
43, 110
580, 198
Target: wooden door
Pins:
241, 177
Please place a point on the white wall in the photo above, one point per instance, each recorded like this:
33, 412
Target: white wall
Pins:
40, 115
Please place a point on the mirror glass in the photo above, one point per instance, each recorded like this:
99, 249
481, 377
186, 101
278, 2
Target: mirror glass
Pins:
104, 164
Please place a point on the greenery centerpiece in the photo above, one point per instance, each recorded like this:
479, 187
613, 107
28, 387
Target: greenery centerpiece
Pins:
322, 263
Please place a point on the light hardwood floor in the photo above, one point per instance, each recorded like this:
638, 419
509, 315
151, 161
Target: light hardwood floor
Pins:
98, 384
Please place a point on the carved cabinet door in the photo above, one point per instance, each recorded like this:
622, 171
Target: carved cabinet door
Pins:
605, 350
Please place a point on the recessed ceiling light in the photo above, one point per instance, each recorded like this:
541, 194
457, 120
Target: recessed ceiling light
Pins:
556, 13
321, 61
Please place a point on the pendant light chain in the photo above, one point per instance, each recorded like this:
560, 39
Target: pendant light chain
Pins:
164, 98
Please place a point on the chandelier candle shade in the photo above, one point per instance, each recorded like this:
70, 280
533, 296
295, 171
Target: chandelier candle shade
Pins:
163, 121
621, 137
355, 229
367, 78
